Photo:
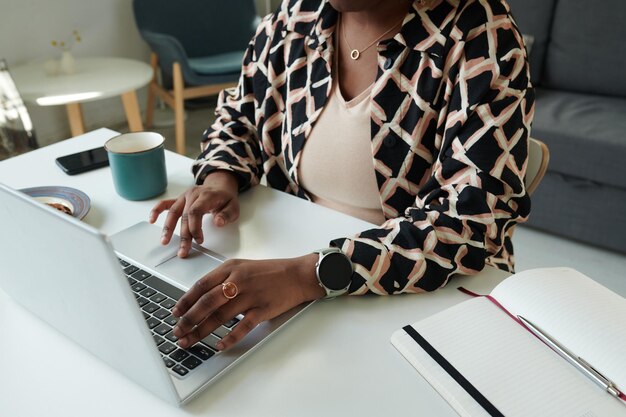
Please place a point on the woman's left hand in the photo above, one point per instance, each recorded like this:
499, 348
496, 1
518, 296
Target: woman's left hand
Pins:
264, 290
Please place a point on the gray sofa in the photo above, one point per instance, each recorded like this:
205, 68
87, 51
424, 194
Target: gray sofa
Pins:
578, 66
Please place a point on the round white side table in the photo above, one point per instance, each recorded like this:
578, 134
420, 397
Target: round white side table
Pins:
93, 79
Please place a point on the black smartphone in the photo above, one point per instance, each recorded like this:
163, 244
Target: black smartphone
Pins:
83, 161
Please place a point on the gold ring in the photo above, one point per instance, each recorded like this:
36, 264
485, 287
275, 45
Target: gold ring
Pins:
230, 290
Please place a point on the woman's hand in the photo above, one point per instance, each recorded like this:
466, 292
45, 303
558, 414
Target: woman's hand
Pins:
264, 290
218, 196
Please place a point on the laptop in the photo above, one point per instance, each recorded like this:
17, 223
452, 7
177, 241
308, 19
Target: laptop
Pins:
113, 295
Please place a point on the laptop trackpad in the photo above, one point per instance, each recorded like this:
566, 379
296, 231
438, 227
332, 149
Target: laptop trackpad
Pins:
187, 271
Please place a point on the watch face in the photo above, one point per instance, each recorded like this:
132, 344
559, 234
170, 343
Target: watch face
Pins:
335, 271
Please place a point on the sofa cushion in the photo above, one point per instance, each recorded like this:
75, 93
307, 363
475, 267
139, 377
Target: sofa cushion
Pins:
586, 134
593, 213
534, 18
586, 51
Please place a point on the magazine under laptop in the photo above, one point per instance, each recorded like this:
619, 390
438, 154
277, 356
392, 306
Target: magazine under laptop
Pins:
68, 274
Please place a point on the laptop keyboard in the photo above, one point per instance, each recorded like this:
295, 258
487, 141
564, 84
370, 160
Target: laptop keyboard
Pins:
156, 298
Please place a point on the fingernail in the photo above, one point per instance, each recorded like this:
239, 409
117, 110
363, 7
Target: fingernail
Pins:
176, 312
182, 343
177, 332
220, 346
220, 221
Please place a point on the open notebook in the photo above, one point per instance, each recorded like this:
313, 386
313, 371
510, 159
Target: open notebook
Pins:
512, 369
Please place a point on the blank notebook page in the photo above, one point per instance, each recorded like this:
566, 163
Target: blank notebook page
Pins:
582, 315
514, 370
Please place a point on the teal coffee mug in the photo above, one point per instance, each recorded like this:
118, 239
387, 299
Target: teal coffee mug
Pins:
137, 163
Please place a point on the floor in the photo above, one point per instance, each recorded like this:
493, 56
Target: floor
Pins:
196, 121
533, 248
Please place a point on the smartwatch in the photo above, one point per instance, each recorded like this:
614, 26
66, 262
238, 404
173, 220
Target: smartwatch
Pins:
334, 271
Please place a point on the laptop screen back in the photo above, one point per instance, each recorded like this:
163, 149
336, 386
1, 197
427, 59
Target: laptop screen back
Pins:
66, 273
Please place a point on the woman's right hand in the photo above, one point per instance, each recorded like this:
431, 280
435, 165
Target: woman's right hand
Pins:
218, 195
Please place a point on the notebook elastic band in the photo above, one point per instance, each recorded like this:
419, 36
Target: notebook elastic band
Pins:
453, 372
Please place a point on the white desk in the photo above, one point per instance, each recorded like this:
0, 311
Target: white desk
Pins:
334, 360
94, 79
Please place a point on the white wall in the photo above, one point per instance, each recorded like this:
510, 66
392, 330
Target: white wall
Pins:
107, 28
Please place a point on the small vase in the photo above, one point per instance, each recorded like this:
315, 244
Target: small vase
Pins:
67, 64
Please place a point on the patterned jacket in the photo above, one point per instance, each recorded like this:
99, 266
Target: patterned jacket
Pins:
451, 112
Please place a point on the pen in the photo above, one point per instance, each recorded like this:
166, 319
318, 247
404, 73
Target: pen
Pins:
578, 362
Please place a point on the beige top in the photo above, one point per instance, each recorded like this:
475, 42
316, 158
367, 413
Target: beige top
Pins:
336, 165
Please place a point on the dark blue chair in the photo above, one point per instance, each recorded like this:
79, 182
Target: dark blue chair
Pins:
198, 45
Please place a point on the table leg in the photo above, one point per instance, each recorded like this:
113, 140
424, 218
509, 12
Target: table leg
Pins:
154, 63
75, 116
133, 114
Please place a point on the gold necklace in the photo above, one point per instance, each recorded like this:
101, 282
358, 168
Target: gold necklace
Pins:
355, 53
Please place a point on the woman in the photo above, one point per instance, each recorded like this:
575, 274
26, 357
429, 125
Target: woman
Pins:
426, 106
